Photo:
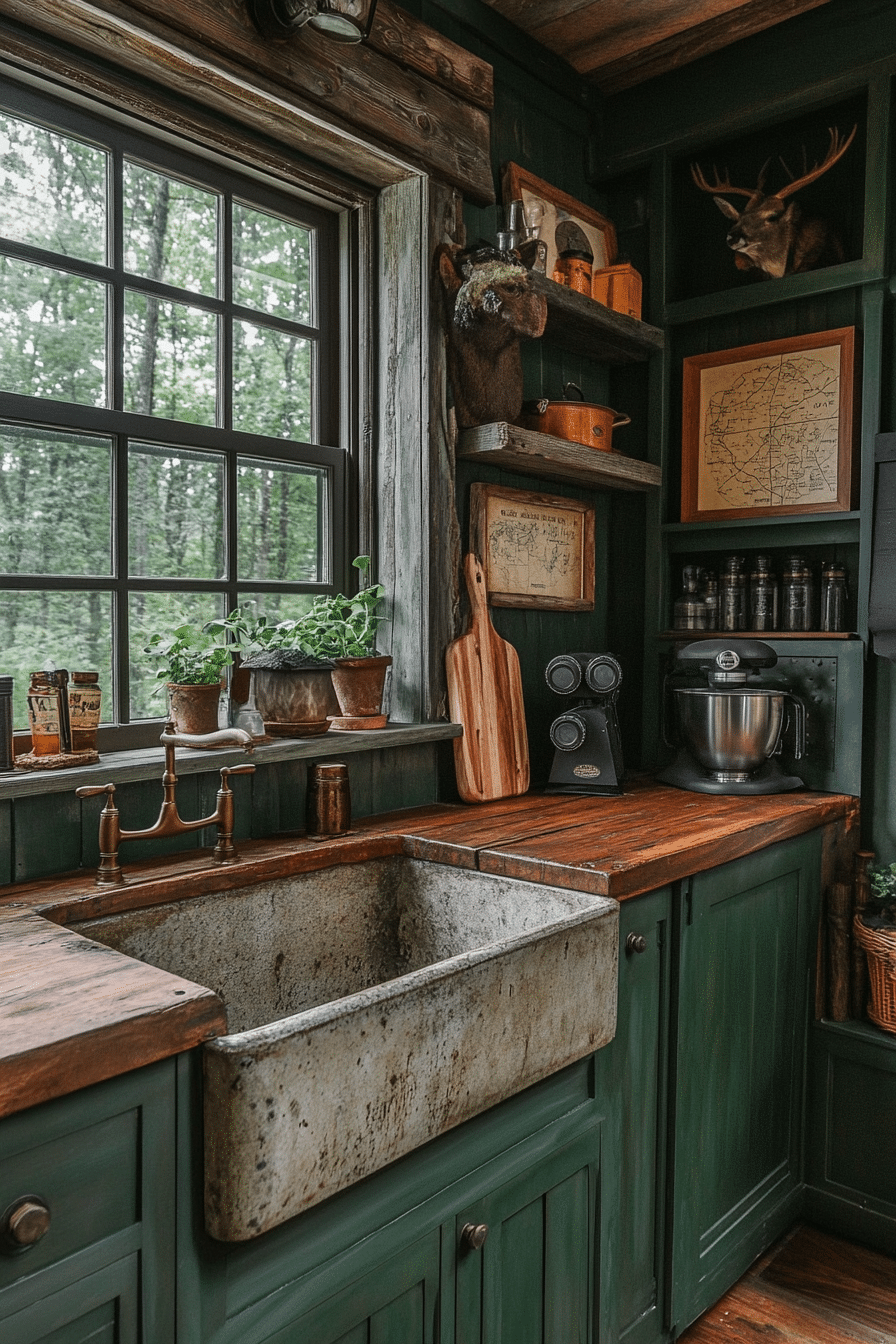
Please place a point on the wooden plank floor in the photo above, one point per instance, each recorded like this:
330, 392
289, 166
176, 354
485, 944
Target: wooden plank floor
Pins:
811, 1288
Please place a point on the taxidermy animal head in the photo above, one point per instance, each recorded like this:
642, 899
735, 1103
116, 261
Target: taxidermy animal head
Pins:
490, 306
770, 236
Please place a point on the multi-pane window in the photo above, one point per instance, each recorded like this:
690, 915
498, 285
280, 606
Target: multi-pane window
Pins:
169, 395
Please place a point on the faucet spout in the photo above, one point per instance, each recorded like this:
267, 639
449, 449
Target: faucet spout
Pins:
169, 821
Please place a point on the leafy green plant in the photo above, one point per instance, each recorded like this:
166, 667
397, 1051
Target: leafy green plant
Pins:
336, 626
880, 909
191, 655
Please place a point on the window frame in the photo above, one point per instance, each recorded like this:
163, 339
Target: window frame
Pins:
337, 416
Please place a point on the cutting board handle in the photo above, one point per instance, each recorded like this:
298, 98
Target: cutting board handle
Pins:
476, 587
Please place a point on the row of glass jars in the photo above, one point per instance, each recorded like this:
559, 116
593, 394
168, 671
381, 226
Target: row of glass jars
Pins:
735, 599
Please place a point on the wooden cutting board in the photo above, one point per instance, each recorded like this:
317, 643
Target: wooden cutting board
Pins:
485, 694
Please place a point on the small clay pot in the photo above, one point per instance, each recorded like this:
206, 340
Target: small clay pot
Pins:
359, 684
294, 703
194, 709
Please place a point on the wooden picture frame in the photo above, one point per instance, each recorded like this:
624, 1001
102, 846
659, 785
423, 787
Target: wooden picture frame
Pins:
767, 429
536, 550
519, 185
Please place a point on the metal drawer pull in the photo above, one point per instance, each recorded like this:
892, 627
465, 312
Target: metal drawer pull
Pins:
635, 942
473, 1235
25, 1222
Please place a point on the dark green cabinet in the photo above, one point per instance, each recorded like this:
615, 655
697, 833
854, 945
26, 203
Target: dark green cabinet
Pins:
101, 1162
630, 1080
746, 947
533, 1279
702, 1087
396, 1301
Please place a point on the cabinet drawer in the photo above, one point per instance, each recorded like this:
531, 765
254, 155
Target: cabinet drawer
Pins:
87, 1178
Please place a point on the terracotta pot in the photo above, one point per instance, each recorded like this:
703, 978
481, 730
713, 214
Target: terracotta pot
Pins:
194, 709
580, 421
359, 684
294, 703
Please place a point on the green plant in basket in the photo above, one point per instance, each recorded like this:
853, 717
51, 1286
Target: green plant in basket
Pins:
880, 909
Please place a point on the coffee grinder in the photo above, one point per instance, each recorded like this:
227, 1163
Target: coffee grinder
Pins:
729, 729
588, 756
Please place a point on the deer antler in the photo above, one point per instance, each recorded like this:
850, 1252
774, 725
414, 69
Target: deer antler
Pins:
720, 188
836, 149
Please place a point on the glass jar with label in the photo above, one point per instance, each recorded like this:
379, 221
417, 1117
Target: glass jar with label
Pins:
84, 700
796, 595
45, 714
763, 596
689, 612
733, 595
833, 597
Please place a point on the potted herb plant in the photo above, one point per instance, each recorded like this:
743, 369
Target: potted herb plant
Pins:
875, 930
319, 668
192, 661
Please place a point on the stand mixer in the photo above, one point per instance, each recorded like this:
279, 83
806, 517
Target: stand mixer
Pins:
729, 732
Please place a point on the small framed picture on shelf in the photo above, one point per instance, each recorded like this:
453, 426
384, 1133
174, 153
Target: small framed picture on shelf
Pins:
767, 429
562, 222
536, 550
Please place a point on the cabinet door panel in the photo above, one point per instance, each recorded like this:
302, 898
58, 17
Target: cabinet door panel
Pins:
741, 1036
533, 1280
630, 1083
101, 1309
396, 1303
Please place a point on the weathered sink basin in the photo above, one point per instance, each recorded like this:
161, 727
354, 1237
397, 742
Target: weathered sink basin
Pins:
370, 1008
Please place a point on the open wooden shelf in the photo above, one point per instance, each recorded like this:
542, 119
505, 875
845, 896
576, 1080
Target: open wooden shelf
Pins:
525, 450
589, 328
691, 636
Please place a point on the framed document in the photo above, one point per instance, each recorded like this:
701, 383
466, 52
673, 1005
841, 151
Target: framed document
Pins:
767, 429
536, 550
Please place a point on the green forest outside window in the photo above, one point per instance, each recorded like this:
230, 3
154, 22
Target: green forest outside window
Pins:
169, 397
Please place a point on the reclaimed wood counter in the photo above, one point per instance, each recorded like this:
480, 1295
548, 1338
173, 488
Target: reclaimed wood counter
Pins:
73, 1012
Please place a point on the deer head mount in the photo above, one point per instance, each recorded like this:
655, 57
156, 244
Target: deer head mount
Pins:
769, 235
490, 306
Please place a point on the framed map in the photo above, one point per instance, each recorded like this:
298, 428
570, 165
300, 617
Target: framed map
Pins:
535, 550
767, 429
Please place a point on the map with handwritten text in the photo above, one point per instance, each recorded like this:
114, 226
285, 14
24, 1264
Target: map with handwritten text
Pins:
769, 431
534, 549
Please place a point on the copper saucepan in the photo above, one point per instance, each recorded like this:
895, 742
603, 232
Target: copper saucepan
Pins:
579, 420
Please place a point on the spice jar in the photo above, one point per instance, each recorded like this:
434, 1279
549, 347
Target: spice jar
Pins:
796, 594
45, 714
733, 595
84, 700
833, 597
763, 596
689, 612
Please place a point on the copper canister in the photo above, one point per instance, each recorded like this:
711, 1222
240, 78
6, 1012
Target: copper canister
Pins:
573, 269
328, 807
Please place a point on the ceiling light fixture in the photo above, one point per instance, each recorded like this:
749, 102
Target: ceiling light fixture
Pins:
340, 20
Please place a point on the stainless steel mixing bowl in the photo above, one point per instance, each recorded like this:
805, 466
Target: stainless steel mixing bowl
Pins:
731, 733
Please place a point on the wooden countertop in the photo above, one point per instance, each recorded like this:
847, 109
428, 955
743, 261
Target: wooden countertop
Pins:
73, 1012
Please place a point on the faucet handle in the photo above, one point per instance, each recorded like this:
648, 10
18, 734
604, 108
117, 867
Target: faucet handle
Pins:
94, 790
227, 770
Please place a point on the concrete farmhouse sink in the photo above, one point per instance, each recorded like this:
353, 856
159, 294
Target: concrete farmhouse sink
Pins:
371, 1007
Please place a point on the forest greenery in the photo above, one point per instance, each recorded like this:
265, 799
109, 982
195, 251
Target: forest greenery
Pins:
59, 489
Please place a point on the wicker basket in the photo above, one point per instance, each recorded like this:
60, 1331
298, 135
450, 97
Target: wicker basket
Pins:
880, 946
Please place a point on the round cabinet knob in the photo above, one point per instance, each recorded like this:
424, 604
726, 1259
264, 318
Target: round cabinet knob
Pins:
26, 1222
635, 942
473, 1235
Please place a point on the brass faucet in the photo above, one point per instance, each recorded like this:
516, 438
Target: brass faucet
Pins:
169, 821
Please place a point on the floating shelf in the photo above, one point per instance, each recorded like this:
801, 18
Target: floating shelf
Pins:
534, 454
689, 636
589, 328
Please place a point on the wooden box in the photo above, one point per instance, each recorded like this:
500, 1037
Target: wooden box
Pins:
619, 288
